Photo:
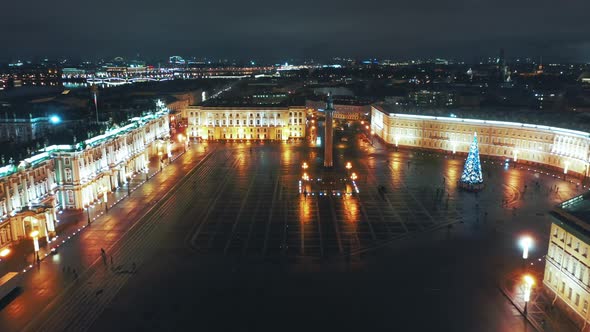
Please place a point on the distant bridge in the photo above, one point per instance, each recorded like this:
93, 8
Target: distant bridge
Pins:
121, 81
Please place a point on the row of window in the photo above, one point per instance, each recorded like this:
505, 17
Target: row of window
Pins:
251, 115
571, 297
499, 131
570, 264
570, 240
244, 122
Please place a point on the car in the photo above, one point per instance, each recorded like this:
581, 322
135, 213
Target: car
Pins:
344, 139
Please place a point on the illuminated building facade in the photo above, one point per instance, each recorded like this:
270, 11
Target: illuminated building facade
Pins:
245, 123
75, 176
23, 129
567, 268
562, 149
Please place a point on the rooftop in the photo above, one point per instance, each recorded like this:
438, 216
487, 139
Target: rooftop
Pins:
561, 119
574, 214
46, 153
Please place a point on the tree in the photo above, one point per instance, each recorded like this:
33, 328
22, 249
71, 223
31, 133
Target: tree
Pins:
472, 177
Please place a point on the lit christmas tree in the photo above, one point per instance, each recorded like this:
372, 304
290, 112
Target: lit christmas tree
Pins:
472, 178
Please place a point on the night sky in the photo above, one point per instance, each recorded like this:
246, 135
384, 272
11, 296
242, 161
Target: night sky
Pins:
277, 30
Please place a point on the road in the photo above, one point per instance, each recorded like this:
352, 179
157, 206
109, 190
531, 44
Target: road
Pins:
234, 246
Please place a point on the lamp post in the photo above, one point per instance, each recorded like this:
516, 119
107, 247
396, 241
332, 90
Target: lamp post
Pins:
305, 177
526, 242
181, 140
348, 167
88, 213
353, 177
528, 285
35, 236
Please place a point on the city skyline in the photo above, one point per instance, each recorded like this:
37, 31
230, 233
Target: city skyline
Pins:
271, 32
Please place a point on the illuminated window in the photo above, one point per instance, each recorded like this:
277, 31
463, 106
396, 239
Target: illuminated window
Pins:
68, 174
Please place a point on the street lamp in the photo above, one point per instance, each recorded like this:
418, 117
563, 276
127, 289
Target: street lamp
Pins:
305, 177
528, 285
4, 252
88, 213
353, 176
181, 140
348, 165
35, 236
304, 166
128, 185
526, 242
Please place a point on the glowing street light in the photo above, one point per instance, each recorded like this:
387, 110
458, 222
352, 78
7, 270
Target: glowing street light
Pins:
106, 206
4, 252
88, 213
304, 166
526, 242
529, 282
348, 165
305, 177
353, 176
54, 119
181, 140
35, 236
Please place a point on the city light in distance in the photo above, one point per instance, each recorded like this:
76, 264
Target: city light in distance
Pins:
54, 119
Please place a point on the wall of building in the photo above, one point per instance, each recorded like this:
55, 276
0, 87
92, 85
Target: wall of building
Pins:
567, 270
245, 123
563, 149
72, 177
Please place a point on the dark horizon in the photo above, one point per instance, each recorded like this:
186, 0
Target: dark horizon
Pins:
272, 32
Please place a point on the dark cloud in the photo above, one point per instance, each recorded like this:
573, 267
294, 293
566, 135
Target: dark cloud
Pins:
304, 28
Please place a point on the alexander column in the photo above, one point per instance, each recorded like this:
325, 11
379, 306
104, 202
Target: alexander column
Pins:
329, 133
